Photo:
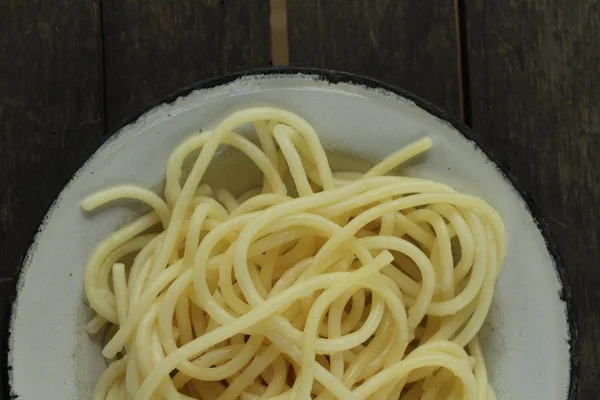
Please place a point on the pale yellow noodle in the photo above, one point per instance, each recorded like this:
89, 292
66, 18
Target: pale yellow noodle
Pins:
361, 286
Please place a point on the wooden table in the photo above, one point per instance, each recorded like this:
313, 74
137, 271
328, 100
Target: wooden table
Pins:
525, 74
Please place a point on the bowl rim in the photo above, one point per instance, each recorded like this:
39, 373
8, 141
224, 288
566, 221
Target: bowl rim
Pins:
332, 77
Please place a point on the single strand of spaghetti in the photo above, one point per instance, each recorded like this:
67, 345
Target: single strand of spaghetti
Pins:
105, 196
227, 354
208, 390
351, 375
485, 296
445, 268
407, 285
259, 202
120, 287
312, 173
268, 266
157, 354
142, 340
323, 376
95, 324
137, 284
304, 248
265, 137
440, 346
388, 225
227, 199
182, 316
385, 189
438, 385
141, 259
404, 226
399, 157
479, 370
146, 348
201, 212
98, 301
264, 132
428, 281
238, 305
280, 133
464, 235
248, 194
203, 190
113, 391
356, 311
302, 146
334, 330
260, 362
414, 393
175, 164
255, 316
451, 324
456, 393
132, 376
131, 246
445, 347
205, 369
110, 374
382, 354
145, 302
276, 381
198, 315
403, 368
103, 280
282, 165
254, 275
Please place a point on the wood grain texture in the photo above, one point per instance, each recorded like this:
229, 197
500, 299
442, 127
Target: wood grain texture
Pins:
411, 44
51, 114
153, 48
535, 88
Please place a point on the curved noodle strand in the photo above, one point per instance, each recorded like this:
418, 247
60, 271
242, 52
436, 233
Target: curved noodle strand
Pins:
361, 286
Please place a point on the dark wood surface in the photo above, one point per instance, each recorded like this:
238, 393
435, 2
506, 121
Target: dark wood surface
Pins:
535, 95
51, 109
408, 43
523, 73
153, 48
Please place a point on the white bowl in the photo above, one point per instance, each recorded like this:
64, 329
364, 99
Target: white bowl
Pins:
530, 336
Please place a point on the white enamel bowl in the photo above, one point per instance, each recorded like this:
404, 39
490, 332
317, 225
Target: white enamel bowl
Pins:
530, 337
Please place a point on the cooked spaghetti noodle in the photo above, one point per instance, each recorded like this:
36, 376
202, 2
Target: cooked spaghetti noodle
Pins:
343, 286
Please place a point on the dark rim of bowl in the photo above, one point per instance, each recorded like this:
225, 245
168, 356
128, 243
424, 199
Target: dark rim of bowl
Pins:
333, 77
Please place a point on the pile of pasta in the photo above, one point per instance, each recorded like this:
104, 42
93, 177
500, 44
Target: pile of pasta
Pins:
343, 286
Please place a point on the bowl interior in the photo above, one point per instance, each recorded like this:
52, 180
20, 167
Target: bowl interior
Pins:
526, 338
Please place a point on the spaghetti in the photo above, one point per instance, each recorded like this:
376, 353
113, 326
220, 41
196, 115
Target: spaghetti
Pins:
360, 286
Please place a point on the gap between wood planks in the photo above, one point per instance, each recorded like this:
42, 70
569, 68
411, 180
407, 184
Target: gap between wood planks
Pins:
462, 46
280, 49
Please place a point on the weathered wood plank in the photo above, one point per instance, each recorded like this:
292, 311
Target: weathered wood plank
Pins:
155, 48
412, 44
51, 110
535, 89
